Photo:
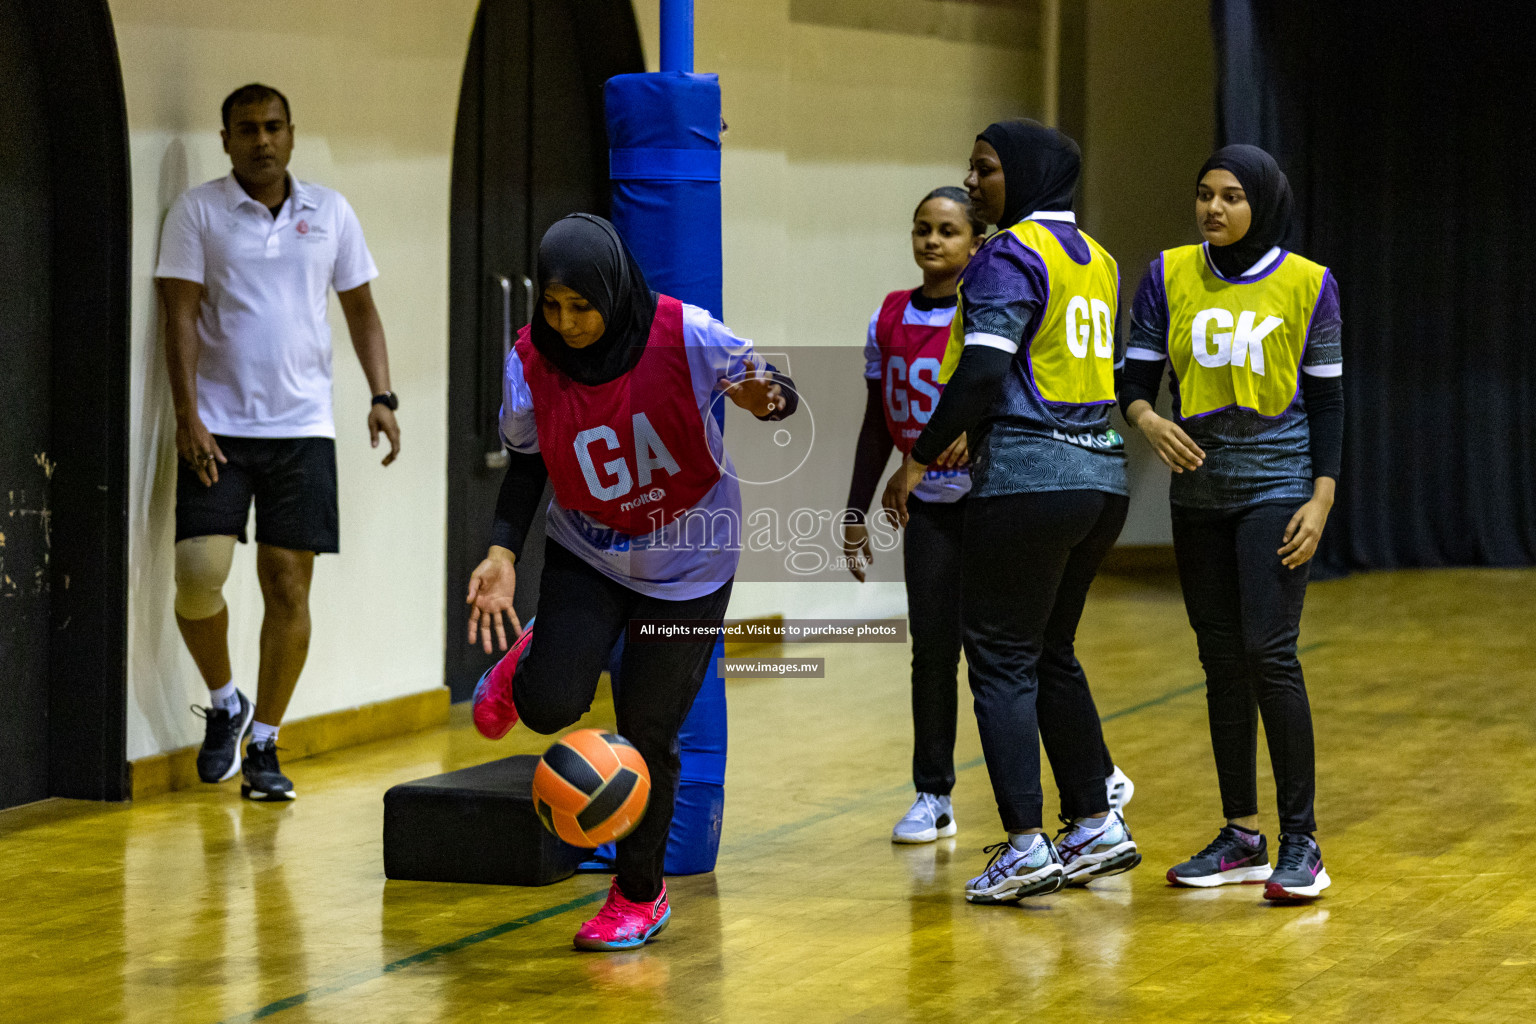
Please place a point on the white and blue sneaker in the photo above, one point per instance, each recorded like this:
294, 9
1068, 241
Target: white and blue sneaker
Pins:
1013, 874
929, 818
1089, 852
1119, 788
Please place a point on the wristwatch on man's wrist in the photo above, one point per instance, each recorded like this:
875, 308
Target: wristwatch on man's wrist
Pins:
388, 399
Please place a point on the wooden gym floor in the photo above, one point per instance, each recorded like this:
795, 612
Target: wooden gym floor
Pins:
198, 907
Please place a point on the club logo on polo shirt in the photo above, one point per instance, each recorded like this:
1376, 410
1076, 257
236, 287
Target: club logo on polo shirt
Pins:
309, 232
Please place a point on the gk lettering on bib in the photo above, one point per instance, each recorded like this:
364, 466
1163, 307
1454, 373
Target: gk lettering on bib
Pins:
1238, 345
1071, 357
630, 453
909, 369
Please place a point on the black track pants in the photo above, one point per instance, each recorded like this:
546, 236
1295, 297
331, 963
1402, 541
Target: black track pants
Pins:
931, 555
1029, 560
1245, 607
581, 615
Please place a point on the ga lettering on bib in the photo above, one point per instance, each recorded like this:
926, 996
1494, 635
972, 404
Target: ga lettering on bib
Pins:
1071, 357
1238, 344
630, 453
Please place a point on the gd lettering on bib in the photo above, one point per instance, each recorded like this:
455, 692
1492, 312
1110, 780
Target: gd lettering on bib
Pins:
1238, 345
1072, 353
630, 453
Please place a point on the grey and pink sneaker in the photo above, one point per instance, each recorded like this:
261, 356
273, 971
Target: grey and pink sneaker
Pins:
1228, 860
494, 713
1299, 875
623, 923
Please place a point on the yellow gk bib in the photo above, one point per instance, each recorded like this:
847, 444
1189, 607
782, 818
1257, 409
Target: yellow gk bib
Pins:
1238, 345
1072, 353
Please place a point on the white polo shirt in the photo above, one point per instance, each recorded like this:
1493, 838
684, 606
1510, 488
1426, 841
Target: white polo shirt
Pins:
265, 367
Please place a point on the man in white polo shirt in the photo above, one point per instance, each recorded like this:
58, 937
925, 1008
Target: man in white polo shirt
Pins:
246, 265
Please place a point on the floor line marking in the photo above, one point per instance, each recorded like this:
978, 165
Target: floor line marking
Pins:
452, 946
356, 978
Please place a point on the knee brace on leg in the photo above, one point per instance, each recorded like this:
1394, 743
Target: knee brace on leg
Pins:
202, 566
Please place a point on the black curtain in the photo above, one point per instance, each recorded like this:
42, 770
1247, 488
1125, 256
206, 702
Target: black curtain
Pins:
1407, 132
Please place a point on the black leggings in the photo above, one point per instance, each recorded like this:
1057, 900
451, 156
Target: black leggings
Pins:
1029, 560
931, 555
1245, 607
581, 614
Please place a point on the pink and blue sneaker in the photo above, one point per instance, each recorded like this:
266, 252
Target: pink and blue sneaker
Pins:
494, 712
623, 923
1299, 873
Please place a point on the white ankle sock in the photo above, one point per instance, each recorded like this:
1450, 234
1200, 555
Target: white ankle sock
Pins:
1022, 841
261, 732
225, 698
1093, 824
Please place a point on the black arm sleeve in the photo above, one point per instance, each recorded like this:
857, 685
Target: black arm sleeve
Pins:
873, 451
518, 500
1138, 380
969, 394
1325, 416
791, 398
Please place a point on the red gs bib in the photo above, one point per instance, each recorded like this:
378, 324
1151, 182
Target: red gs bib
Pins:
630, 453
910, 355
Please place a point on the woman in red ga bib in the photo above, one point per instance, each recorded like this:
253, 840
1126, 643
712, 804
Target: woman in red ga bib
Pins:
607, 395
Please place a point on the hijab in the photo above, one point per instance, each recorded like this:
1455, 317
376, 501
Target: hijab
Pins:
1040, 167
1269, 199
586, 254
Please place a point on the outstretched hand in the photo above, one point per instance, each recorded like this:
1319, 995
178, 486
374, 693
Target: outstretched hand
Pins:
491, 588
756, 391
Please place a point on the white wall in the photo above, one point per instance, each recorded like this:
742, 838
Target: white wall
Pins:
1151, 88
374, 88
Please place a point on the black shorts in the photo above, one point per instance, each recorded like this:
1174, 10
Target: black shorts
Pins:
293, 480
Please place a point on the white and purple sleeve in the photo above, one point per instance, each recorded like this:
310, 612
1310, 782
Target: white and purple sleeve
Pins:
519, 432
872, 349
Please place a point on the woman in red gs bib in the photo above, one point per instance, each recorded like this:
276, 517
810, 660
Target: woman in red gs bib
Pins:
607, 394
902, 354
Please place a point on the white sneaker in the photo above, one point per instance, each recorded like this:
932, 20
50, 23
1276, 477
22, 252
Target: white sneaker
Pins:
1012, 875
1119, 788
1088, 854
928, 819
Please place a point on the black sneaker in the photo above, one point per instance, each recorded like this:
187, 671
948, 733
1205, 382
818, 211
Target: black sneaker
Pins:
1299, 874
1226, 861
219, 759
264, 780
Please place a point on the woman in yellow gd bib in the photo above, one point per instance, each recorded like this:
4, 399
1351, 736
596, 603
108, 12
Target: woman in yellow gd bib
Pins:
1033, 353
1252, 333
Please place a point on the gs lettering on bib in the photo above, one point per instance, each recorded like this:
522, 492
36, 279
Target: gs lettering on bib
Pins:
1238, 344
1071, 357
909, 369
630, 453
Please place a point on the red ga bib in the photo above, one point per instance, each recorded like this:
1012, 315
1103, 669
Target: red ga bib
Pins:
630, 453
910, 355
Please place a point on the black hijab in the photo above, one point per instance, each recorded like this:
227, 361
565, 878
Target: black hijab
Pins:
1269, 198
1040, 167
586, 254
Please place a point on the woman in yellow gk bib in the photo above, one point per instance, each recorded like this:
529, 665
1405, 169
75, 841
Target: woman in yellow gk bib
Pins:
1252, 333
1033, 353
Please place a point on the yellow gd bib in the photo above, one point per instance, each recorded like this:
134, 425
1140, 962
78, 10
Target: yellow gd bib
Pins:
1072, 353
1238, 344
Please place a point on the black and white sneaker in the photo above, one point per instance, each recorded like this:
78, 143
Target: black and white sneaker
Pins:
264, 780
1299, 873
219, 757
